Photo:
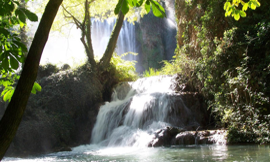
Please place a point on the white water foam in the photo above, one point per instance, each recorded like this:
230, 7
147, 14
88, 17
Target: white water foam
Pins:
132, 120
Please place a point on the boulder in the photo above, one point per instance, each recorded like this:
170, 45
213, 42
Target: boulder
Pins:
61, 116
163, 137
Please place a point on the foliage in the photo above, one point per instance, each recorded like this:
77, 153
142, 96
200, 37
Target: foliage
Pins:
11, 48
12, 16
151, 72
231, 8
8, 81
229, 61
124, 6
125, 70
103, 9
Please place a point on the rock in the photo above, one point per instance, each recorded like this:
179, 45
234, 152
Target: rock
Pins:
184, 138
62, 115
155, 45
164, 136
65, 149
65, 67
176, 136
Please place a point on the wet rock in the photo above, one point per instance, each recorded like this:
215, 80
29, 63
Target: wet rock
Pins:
184, 138
164, 136
175, 136
65, 149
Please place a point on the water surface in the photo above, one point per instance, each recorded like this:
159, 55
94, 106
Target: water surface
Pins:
175, 153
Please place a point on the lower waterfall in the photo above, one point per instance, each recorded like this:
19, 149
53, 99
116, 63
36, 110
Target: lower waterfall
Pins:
137, 110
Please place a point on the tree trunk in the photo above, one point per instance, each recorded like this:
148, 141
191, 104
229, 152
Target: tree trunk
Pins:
15, 110
105, 60
86, 32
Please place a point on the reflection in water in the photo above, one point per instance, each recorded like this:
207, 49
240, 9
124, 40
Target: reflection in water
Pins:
176, 153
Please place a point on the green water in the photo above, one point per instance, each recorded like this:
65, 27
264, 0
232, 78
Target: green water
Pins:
180, 153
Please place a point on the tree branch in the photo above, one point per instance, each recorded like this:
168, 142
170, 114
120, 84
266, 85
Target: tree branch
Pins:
105, 60
76, 21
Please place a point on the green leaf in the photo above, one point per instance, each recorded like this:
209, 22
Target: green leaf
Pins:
21, 15
158, 10
2, 12
5, 63
139, 3
147, 6
30, 15
4, 31
125, 7
21, 45
117, 8
5, 90
236, 16
242, 13
20, 58
253, 6
131, 3
9, 8
2, 56
14, 63
256, 3
12, 6
227, 5
8, 95
245, 7
36, 87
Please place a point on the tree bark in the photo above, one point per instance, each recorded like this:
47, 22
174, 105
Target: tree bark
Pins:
15, 110
86, 32
105, 60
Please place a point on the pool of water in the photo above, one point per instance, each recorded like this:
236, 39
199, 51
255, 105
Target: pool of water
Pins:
164, 154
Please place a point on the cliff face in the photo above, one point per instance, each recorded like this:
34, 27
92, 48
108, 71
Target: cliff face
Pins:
188, 16
61, 115
156, 38
191, 17
228, 62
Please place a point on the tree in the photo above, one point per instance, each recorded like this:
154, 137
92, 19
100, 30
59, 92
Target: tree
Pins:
14, 112
121, 10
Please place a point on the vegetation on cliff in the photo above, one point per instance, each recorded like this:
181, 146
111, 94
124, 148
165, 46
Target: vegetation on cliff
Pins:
228, 62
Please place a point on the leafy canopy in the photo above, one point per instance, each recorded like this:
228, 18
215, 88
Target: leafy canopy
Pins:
11, 48
104, 9
232, 7
124, 6
12, 16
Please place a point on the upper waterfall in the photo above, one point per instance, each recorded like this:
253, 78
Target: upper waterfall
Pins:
101, 32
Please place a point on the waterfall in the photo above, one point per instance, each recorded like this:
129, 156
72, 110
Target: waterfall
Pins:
137, 110
101, 32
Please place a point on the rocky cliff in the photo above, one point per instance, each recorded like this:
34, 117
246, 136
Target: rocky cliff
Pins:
61, 115
156, 38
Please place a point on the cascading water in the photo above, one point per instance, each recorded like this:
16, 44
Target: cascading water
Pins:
101, 32
137, 110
